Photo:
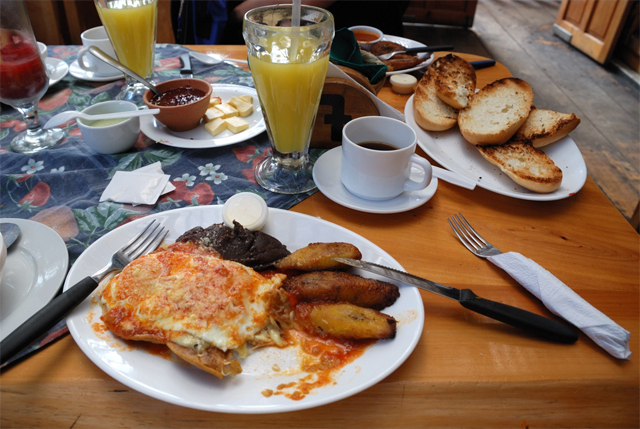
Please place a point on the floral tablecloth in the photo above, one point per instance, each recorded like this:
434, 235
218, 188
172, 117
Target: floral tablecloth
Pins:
61, 187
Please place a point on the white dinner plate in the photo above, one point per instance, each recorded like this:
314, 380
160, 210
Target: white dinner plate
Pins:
408, 43
326, 175
185, 385
453, 152
199, 138
79, 73
35, 268
57, 69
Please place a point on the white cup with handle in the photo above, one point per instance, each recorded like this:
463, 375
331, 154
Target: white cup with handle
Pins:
96, 36
378, 154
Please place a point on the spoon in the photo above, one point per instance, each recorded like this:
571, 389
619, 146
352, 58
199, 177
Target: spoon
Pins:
453, 178
64, 117
208, 59
99, 53
10, 232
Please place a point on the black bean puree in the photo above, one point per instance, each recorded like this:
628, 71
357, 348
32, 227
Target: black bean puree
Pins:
178, 96
254, 249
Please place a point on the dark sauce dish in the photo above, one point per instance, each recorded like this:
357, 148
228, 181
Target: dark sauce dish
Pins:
194, 93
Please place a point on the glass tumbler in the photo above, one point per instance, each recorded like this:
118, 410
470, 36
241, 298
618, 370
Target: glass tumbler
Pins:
288, 64
131, 26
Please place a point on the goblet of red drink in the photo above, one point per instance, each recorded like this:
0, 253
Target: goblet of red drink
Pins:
24, 77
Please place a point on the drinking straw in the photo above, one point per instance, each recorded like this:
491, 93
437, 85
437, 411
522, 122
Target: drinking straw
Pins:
295, 27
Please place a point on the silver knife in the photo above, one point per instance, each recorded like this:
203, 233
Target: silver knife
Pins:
513, 316
186, 70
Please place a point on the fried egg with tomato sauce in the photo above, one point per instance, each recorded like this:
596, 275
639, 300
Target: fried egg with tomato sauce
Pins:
204, 308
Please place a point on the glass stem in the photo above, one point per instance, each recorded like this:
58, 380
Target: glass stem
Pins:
30, 116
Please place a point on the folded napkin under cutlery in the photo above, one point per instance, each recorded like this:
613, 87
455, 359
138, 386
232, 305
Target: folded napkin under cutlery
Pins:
564, 302
142, 186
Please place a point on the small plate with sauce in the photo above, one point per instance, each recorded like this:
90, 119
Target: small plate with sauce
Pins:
199, 138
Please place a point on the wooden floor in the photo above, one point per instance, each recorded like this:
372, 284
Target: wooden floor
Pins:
519, 34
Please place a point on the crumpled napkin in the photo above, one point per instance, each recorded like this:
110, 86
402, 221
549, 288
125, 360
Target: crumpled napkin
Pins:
142, 186
564, 302
345, 51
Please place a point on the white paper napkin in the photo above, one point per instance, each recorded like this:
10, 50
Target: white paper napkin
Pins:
141, 186
564, 302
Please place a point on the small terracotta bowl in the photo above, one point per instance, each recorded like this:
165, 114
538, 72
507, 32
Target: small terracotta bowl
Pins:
187, 116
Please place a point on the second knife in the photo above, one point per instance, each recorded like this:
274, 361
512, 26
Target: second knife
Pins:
513, 316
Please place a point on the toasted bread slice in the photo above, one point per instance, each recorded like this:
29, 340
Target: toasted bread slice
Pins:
213, 360
544, 127
429, 111
455, 80
528, 166
496, 112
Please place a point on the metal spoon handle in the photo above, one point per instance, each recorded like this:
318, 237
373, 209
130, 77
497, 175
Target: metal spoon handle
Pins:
99, 53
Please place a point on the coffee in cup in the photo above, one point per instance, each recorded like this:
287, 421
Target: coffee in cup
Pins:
98, 37
378, 154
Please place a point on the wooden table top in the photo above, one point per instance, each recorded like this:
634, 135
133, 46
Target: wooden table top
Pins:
466, 371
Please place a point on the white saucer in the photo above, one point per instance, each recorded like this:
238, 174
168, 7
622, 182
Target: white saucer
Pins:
79, 73
57, 69
326, 174
35, 268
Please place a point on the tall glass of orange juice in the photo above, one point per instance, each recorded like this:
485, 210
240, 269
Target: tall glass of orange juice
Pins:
131, 25
288, 49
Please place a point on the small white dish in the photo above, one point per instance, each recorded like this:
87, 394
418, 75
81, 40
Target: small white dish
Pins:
34, 270
359, 30
113, 138
326, 175
199, 138
57, 69
79, 73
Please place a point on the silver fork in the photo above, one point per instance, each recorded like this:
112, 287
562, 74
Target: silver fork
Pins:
470, 238
145, 242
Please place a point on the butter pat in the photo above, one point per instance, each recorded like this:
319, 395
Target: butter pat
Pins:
236, 124
212, 114
246, 208
403, 83
244, 108
216, 126
227, 110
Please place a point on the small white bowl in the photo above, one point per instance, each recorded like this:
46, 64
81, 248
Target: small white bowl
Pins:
366, 36
110, 139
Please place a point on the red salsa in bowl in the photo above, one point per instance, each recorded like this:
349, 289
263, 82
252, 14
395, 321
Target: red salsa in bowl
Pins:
178, 96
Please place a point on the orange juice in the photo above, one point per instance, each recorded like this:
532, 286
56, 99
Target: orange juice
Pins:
132, 30
289, 93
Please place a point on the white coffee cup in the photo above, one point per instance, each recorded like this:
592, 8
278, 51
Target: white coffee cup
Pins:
96, 36
376, 174
42, 49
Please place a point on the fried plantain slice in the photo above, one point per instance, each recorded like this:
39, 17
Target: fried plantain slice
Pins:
345, 321
318, 257
337, 286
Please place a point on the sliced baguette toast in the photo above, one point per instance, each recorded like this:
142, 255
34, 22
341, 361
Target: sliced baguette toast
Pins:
429, 111
526, 165
455, 80
544, 127
496, 112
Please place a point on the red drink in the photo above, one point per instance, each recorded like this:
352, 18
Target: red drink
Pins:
22, 72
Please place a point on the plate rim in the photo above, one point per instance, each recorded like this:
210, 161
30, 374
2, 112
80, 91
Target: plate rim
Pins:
55, 245
76, 71
370, 206
413, 336
148, 125
522, 193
